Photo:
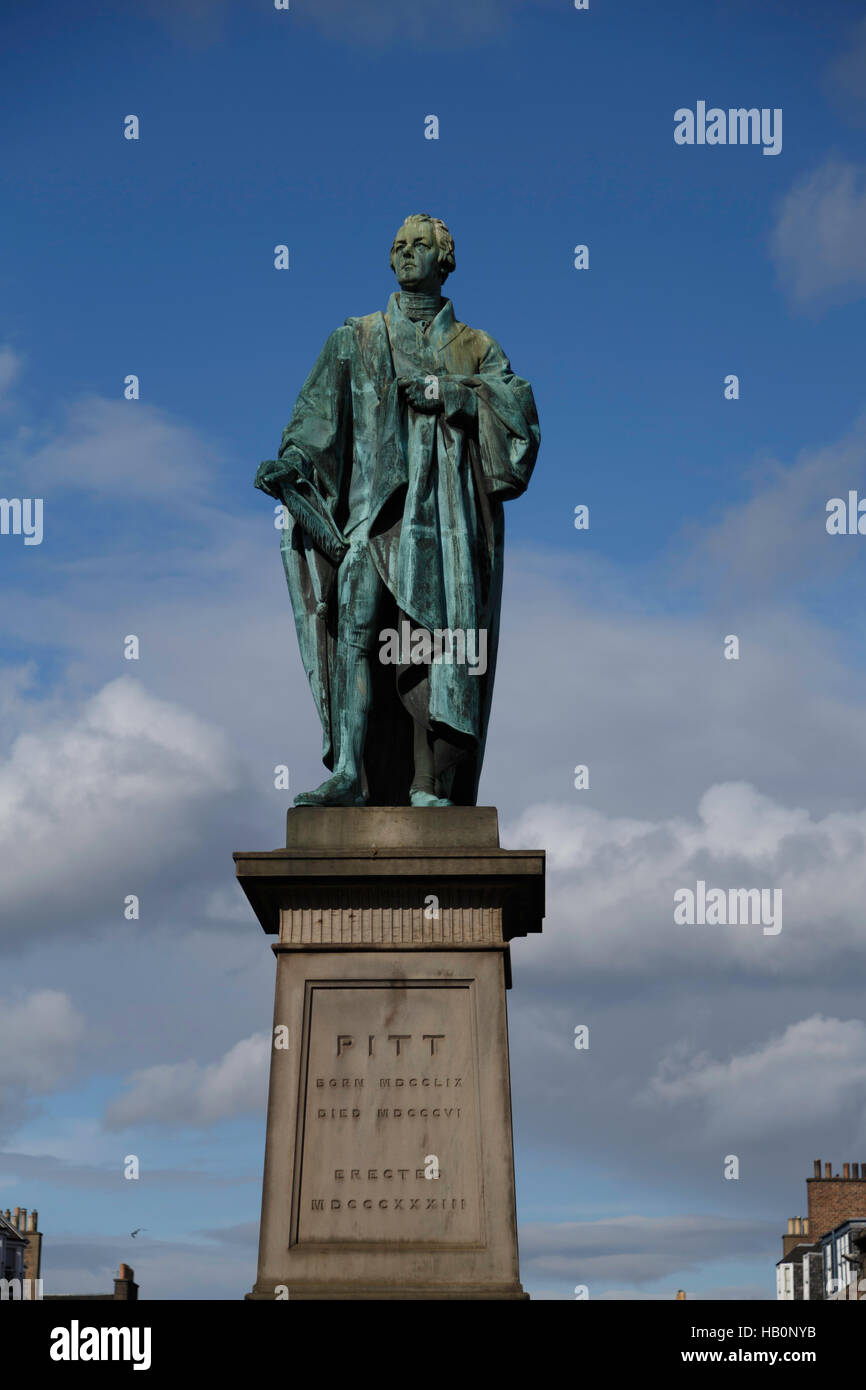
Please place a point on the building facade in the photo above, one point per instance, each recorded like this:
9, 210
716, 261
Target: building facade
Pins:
824, 1253
13, 1249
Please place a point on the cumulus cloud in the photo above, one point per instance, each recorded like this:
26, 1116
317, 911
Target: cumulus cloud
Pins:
646, 699
804, 1077
776, 542
123, 449
819, 239
39, 1034
612, 881
189, 1093
91, 803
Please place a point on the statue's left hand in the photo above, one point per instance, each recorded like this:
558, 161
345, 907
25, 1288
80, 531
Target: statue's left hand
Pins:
422, 393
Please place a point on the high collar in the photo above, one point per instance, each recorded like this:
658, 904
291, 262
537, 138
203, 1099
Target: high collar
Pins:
441, 330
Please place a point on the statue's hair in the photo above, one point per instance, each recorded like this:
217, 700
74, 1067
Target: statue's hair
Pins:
444, 241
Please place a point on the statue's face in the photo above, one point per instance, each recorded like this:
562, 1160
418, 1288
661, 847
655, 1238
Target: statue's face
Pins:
416, 257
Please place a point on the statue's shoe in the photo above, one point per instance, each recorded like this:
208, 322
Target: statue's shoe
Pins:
337, 791
419, 798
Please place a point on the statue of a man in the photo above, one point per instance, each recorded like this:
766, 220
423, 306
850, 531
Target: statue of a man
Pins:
407, 437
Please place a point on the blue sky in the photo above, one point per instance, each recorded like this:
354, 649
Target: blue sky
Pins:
707, 517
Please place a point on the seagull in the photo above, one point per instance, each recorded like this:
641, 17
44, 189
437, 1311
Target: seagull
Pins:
137, 1230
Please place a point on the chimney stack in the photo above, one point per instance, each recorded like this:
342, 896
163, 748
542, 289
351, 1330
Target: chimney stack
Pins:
125, 1287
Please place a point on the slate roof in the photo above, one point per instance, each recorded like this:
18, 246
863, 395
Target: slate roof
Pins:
9, 1231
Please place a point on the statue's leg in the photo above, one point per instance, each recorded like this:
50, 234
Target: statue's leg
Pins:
423, 789
359, 592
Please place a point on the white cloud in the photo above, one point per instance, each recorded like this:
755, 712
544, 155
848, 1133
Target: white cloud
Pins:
803, 1078
776, 542
91, 804
124, 449
819, 240
39, 1035
189, 1093
641, 692
612, 880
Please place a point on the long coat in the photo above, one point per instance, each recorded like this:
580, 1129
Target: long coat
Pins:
433, 487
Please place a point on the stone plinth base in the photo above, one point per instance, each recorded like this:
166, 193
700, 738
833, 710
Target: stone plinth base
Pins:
311, 1293
389, 1159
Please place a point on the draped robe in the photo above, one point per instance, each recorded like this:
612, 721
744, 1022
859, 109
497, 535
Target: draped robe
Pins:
431, 489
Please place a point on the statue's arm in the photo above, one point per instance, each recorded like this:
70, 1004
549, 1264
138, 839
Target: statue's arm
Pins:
458, 401
313, 442
507, 422
459, 393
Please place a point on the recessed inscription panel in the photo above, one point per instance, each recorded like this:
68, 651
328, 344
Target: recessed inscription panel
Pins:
389, 1149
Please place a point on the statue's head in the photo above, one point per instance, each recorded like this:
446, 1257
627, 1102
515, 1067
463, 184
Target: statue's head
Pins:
422, 256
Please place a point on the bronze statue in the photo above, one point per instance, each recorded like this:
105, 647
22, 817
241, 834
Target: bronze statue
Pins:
406, 438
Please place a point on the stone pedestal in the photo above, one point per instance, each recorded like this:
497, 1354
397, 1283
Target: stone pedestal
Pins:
389, 1169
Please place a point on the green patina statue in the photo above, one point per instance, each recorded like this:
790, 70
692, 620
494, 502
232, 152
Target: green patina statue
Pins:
407, 437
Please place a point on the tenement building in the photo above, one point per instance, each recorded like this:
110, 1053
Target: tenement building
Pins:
824, 1253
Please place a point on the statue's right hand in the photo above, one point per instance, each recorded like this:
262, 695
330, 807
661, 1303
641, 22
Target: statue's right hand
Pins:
268, 476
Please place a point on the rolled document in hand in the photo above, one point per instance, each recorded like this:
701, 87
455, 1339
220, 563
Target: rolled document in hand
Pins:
311, 511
